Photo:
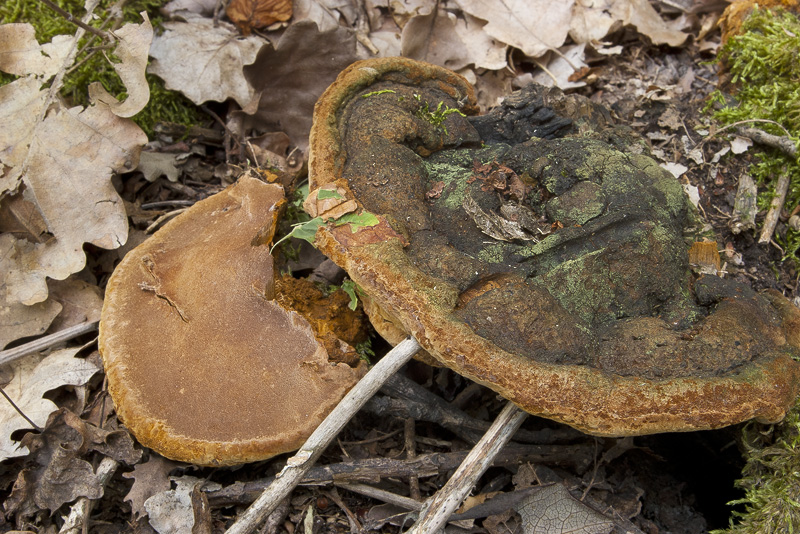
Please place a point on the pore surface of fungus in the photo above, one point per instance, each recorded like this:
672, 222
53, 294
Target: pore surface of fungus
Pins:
204, 364
543, 255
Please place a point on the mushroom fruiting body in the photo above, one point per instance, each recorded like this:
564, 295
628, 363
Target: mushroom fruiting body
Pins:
552, 270
203, 365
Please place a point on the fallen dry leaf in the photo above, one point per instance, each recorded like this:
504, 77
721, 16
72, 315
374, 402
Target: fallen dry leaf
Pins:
326, 13
35, 375
55, 473
593, 20
180, 511
55, 174
149, 479
21, 54
204, 61
533, 26
452, 42
80, 302
134, 42
552, 510
291, 76
255, 14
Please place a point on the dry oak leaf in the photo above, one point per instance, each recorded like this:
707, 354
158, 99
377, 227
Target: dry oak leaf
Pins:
71, 157
453, 42
182, 510
533, 26
21, 54
204, 61
134, 42
255, 14
35, 375
149, 478
55, 473
592, 21
290, 77
328, 14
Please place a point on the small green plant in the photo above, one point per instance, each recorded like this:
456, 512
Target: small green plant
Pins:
352, 290
437, 116
306, 230
763, 63
365, 351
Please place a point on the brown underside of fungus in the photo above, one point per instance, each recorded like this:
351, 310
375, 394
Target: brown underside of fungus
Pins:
203, 362
538, 251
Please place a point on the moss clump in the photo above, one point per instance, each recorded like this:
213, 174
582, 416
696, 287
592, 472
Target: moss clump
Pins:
93, 63
764, 67
770, 479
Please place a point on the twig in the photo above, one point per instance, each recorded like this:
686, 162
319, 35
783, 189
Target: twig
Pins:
20, 412
438, 509
71, 18
382, 495
576, 457
74, 523
771, 221
782, 143
9, 355
299, 464
410, 435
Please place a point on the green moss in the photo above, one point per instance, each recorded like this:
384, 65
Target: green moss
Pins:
770, 479
763, 63
92, 64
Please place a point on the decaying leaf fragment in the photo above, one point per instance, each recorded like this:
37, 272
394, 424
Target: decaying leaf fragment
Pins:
553, 510
255, 14
33, 377
204, 60
134, 42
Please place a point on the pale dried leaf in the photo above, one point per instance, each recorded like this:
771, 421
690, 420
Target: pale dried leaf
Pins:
21, 54
156, 164
198, 7
533, 26
204, 62
452, 42
561, 66
33, 377
174, 511
18, 320
71, 158
594, 19
292, 76
149, 478
552, 510
21, 104
80, 301
404, 10
328, 14
134, 42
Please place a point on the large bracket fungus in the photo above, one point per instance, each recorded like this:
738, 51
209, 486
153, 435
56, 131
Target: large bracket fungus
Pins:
204, 363
552, 269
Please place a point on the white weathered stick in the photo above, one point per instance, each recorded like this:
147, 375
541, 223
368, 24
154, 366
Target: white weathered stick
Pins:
781, 189
79, 513
299, 464
438, 509
10, 355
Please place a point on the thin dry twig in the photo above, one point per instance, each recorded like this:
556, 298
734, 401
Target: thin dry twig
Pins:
299, 464
771, 221
438, 509
9, 355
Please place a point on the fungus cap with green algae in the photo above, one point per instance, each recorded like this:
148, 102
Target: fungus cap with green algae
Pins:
543, 256
204, 364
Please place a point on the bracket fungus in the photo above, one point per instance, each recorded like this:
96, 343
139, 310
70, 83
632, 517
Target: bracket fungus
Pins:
542, 255
204, 364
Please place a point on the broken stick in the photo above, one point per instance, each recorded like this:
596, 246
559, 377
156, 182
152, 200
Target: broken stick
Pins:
299, 464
